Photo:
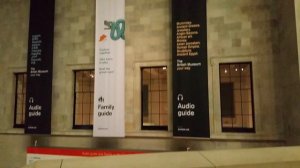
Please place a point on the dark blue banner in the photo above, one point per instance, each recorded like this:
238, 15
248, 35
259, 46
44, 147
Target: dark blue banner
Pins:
190, 78
39, 67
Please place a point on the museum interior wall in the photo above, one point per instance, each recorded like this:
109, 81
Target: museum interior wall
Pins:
240, 31
297, 7
287, 73
262, 32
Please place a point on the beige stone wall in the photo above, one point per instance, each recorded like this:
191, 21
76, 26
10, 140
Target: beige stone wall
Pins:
296, 104
297, 9
13, 54
287, 74
238, 30
73, 49
148, 36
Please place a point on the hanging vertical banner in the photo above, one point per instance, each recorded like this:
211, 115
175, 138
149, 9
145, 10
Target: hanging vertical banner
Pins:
190, 78
39, 67
109, 93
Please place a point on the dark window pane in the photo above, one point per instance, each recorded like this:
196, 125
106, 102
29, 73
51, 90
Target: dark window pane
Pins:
245, 70
236, 97
227, 100
224, 70
236, 81
225, 80
84, 99
245, 83
154, 98
20, 96
234, 70
246, 95
248, 121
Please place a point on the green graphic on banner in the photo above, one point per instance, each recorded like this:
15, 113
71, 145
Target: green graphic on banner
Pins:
117, 29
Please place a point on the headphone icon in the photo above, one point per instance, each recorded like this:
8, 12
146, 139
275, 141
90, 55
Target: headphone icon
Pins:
31, 100
180, 97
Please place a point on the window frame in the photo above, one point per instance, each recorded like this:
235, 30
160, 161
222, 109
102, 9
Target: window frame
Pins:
15, 125
152, 127
239, 129
74, 126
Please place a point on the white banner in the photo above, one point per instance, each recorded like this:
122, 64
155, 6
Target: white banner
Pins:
109, 108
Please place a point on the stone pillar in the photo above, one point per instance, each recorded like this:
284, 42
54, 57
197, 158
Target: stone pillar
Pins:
287, 69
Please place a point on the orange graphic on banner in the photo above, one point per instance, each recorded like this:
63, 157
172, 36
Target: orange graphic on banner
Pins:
102, 37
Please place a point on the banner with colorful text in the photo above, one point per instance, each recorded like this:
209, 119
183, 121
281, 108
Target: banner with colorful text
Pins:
109, 108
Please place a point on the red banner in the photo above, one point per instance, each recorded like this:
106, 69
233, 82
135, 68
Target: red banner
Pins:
44, 153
